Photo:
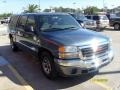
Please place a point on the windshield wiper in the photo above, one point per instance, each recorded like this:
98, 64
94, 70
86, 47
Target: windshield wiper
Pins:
58, 29
52, 29
71, 28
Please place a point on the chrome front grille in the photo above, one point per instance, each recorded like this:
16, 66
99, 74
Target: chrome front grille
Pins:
88, 51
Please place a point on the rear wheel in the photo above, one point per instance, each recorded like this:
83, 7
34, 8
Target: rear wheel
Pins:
13, 45
116, 26
48, 66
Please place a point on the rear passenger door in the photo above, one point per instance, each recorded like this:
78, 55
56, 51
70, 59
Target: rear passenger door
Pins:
30, 37
20, 28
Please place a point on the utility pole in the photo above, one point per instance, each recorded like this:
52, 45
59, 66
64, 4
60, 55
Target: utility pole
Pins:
113, 9
103, 5
39, 5
74, 5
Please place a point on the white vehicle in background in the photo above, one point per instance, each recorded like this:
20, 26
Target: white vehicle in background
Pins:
102, 21
5, 20
84, 22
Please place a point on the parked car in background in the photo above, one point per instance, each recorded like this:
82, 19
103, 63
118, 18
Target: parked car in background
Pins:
115, 22
110, 16
61, 44
102, 21
5, 20
2, 21
86, 23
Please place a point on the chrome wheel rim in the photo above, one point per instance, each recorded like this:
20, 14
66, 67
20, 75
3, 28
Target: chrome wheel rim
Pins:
46, 65
116, 26
12, 46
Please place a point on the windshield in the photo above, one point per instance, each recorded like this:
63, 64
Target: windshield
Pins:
57, 22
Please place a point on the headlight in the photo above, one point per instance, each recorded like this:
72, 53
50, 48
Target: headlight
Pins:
68, 49
69, 52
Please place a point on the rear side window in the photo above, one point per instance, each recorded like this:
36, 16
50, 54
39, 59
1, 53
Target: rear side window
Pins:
13, 22
95, 17
22, 22
103, 17
88, 17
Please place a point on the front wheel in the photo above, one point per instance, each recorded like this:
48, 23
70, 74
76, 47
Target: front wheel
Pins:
48, 66
116, 26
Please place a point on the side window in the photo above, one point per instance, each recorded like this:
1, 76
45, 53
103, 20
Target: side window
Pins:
88, 17
30, 24
13, 22
22, 22
104, 17
95, 17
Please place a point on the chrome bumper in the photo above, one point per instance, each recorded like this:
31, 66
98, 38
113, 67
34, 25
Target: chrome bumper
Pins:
77, 66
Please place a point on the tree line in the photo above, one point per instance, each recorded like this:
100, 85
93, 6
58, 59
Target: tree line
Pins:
5, 15
88, 10
33, 8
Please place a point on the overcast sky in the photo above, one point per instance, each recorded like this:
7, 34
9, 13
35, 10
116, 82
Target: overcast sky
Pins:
17, 6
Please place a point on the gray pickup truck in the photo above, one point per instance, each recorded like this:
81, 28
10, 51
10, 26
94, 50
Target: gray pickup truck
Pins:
61, 44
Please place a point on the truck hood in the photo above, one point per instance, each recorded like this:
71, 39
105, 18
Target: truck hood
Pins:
75, 37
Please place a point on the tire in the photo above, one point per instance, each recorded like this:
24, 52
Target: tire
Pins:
116, 26
47, 65
98, 29
13, 45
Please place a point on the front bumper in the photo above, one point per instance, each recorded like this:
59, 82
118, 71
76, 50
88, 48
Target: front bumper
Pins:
77, 66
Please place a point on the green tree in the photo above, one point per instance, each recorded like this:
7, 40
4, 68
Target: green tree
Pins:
32, 8
4, 15
66, 10
91, 10
61, 9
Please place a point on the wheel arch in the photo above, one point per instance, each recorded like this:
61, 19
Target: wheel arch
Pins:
116, 23
42, 49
